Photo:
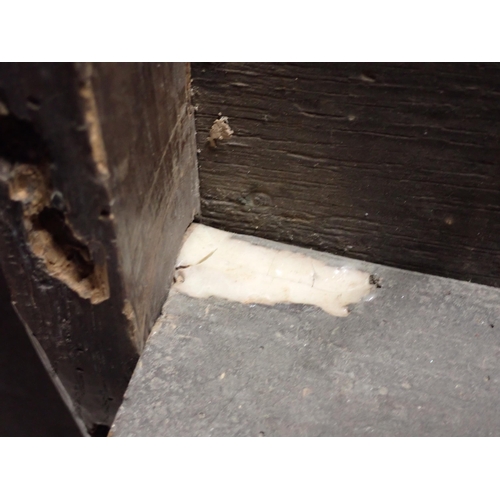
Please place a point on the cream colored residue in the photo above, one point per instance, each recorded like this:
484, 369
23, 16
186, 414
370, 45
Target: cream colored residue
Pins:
214, 263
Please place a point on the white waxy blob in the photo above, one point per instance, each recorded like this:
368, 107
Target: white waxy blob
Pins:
214, 264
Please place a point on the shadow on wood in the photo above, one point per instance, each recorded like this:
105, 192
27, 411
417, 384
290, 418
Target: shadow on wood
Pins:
30, 404
98, 183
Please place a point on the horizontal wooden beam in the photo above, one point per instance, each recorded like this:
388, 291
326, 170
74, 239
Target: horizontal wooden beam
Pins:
391, 163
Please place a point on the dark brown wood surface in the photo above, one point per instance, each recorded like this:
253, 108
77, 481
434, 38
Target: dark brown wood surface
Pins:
147, 124
30, 404
392, 163
112, 200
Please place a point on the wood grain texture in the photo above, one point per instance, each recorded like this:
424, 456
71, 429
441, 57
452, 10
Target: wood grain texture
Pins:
78, 124
391, 163
147, 123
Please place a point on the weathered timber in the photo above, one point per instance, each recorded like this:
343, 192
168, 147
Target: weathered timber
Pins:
30, 404
147, 124
98, 184
392, 163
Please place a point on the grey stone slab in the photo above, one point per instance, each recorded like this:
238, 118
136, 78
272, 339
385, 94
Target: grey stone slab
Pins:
420, 359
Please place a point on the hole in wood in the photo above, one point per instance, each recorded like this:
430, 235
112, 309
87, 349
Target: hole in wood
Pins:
105, 213
25, 167
33, 103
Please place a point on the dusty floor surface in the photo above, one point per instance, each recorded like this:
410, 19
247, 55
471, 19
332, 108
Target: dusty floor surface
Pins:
419, 359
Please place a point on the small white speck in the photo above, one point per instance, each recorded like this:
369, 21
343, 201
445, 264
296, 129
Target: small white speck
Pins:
432, 360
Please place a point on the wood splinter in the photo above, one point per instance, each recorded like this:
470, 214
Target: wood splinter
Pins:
220, 130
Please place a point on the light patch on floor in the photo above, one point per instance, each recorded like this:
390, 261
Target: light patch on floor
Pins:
213, 263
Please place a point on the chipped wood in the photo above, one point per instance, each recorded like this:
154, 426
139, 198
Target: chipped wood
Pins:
121, 187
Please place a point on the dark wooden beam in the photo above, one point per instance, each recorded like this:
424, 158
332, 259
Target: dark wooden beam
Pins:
147, 123
98, 184
30, 404
391, 163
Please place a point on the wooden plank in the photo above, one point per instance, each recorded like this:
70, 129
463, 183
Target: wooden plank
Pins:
30, 404
148, 128
98, 186
391, 163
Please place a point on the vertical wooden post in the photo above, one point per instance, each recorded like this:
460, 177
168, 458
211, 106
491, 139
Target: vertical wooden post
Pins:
98, 183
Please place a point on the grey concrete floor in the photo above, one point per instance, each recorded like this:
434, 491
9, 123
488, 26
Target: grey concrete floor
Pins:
420, 359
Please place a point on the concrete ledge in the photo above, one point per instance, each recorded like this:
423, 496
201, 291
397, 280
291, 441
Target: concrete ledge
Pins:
420, 359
